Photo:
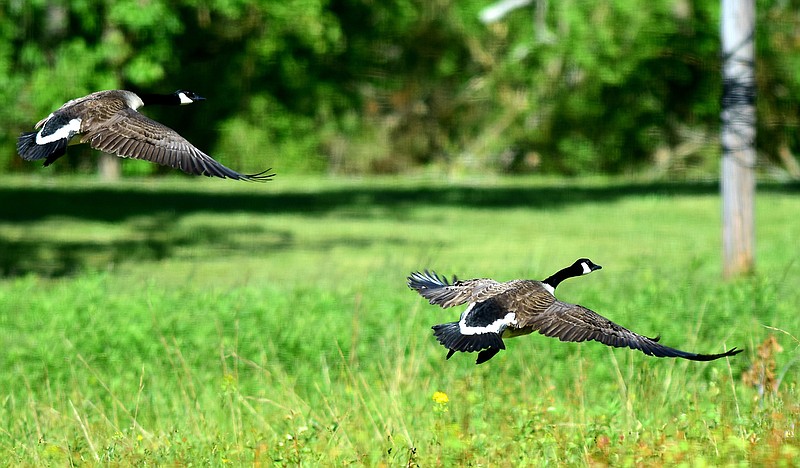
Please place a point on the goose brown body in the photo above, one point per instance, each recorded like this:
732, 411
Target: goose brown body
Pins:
109, 121
500, 310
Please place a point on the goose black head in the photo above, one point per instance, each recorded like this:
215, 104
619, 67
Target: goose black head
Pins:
187, 97
585, 266
582, 266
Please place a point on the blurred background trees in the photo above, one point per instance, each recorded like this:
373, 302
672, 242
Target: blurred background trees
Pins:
357, 86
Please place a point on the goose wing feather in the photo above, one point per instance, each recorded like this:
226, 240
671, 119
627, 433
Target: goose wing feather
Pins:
90, 107
440, 291
571, 322
127, 133
528, 299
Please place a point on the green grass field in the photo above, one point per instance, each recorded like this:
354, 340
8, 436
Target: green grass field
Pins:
187, 321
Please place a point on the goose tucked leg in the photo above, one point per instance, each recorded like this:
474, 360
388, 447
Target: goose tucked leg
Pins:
486, 354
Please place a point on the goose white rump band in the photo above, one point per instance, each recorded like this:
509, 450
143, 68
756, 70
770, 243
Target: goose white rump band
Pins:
74, 126
494, 327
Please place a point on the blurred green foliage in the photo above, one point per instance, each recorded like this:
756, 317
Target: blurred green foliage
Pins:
355, 86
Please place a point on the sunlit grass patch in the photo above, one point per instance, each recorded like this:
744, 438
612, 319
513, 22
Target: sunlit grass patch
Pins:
240, 325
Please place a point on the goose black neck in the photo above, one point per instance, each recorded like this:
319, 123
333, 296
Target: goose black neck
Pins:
556, 278
160, 99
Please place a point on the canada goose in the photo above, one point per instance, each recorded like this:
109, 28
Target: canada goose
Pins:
497, 310
109, 122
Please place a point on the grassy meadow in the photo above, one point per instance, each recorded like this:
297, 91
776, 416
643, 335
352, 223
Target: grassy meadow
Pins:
205, 322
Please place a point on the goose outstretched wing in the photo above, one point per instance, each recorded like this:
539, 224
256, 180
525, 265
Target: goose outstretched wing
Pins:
571, 322
132, 135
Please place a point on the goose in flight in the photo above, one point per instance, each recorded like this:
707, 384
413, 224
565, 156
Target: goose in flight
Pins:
504, 310
109, 121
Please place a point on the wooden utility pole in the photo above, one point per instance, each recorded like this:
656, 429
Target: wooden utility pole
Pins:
738, 136
109, 167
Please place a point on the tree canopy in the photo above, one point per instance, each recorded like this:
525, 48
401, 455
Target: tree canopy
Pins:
355, 86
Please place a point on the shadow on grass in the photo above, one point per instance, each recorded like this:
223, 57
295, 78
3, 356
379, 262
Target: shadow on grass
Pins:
109, 205
146, 239
159, 240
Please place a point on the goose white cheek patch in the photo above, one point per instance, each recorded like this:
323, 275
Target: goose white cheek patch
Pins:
65, 131
586, 269
184, 99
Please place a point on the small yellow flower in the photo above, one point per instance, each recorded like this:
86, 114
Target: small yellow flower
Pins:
441, 398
